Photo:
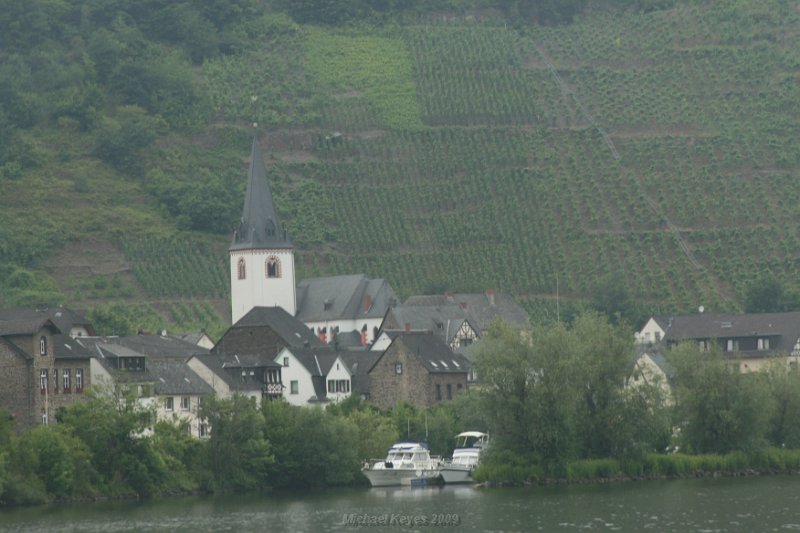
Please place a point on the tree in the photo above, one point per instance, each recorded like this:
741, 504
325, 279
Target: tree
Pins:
239, 454
765, 295
112, 423
719, 409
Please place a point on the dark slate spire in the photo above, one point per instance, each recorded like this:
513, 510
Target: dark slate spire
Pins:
260, 226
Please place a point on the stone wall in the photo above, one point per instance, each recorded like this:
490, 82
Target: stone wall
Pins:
16, 392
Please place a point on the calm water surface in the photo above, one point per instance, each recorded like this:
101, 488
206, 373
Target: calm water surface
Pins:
703, 505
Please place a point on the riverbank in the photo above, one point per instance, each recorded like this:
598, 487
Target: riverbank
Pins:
514, 472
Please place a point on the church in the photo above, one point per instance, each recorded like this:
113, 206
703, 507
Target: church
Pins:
347, 309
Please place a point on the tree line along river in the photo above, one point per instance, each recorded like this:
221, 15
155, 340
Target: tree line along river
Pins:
768, 503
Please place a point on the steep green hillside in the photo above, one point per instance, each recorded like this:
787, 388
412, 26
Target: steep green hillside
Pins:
455, 147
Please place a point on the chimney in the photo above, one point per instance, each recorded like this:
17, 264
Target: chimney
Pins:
408, 327
490, 296
366, 303
449, 296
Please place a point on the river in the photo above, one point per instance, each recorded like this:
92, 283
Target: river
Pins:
770, 503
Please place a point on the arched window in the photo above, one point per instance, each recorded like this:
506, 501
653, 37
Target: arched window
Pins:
242, 269
42, 345
273, 267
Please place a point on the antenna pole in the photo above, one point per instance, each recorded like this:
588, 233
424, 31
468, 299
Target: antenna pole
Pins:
558, 306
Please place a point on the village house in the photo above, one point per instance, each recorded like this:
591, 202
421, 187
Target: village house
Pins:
43, 368
418, 368
747, 341
650, 367
154, 368
458, 319
318, 376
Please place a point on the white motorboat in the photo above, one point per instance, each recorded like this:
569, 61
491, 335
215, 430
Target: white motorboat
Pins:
466, 457
406, 463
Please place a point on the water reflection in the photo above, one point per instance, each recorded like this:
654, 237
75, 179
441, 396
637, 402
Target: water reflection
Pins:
751, 504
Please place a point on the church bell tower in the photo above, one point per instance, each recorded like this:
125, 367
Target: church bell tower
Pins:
262, 256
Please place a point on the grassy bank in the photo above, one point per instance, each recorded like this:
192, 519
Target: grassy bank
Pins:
504, 470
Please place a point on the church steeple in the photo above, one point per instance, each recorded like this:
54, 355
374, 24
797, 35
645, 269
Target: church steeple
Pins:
260, 226
262, 256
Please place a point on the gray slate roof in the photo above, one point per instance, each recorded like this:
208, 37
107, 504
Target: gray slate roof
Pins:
359, 363
443, 320
25, 326
481, 308
63, 318
175, 377
160, 346
290, 329
786, 326
260, 226
432, 352
343, 298
65, 347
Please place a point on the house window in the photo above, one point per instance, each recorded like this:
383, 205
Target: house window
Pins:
285, 361
763, 343
78, 379
42, 345
55, 380
658, 336
438, 391
449, 391
203, 429
703, 345
459, 386
732, 345
44, 417
273, 267
168, 403
293, 387
43, 380
343, 385
184, 403
466, 342
241, 268
398, 368
331, 385
66, 379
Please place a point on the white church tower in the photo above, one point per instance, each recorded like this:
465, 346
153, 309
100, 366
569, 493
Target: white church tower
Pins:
262, 256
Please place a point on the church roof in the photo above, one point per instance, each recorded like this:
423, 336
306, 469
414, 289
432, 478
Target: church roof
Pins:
343, 298
260, 226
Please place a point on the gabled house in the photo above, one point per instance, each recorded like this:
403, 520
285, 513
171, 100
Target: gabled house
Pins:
451, 323
746, 340
67, 321
341, 304
651, 368
263, 332
243, 360
480, 308
305, 374
42, 369
418, 368
154, 367
249, 375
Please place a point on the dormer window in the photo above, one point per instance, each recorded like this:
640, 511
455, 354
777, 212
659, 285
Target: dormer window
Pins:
763, 343
241, 268
273, 267
42, 345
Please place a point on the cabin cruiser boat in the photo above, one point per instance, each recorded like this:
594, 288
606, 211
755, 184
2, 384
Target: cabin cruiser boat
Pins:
466, 456
406, 463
